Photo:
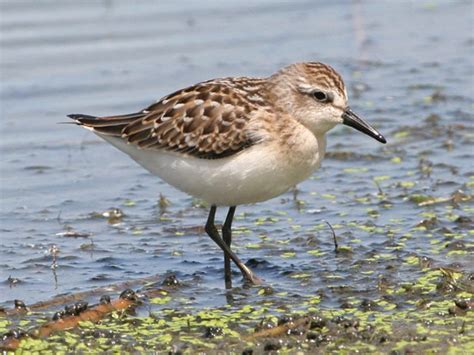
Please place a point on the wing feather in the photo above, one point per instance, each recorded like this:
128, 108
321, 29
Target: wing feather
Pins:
207, 120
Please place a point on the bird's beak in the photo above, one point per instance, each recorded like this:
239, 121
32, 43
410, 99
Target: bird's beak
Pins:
349, 118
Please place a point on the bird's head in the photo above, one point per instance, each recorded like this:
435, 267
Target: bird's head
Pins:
315, 95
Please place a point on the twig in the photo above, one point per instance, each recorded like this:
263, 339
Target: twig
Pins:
380, 189
93, 314
62, 300
279, 330
334, 237
435, 201
79, 312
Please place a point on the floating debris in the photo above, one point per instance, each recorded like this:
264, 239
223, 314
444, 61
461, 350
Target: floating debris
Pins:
73, 234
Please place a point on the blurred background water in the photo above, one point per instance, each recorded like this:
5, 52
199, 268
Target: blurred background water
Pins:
408, 68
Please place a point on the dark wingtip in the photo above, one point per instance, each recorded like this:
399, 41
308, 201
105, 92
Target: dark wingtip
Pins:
79, 116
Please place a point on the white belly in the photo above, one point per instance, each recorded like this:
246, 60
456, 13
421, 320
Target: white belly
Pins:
256, 174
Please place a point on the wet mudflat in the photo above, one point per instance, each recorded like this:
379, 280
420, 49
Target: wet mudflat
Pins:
77, 215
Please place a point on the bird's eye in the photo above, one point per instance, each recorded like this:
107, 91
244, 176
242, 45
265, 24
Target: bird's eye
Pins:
321, 96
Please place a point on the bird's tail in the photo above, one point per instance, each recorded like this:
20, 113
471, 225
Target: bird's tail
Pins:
108, 125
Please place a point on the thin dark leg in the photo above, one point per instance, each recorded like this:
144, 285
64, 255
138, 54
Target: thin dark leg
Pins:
227, 237
211, 230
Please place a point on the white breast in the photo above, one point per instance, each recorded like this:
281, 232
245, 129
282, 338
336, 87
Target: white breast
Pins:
256, 174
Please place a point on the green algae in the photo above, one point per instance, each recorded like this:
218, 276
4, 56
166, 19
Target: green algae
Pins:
384, 324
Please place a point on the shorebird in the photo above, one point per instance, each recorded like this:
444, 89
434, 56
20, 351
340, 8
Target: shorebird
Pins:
236, 140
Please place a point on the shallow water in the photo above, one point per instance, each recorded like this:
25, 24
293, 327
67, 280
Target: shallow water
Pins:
408, 68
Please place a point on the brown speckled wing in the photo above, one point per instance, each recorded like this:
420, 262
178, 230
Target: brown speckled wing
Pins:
207, 120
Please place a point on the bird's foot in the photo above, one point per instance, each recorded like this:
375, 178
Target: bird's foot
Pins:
250, 279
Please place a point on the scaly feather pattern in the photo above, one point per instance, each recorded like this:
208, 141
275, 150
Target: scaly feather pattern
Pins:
207, 120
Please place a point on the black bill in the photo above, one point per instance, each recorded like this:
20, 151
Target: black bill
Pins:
351, 119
